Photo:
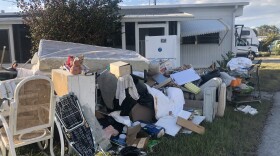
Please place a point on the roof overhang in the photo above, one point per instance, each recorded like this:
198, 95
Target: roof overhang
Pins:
201, 27
11, 20
157, 17
188, 5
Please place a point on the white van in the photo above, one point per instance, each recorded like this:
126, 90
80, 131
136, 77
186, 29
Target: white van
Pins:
246, 40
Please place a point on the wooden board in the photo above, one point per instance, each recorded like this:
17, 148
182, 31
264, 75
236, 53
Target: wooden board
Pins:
191, 126
60, 81
82, 86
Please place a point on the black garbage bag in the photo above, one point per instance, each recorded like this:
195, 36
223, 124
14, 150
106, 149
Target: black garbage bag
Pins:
209, 76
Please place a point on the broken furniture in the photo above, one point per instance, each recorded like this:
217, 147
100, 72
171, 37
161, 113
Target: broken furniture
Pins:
249, 90
84, 87
74, 125
31, 115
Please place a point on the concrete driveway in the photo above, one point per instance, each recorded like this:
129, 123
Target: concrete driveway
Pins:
270, 144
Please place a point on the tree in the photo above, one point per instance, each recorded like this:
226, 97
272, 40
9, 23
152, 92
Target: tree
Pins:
80, 21
256, 32
265, 30
272, 33
267, 41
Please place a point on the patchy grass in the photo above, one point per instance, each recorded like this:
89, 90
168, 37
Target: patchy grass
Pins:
264, 54
270, 77
268, 55
234, 134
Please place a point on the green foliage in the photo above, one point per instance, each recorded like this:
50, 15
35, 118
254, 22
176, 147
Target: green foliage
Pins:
226, 59
265, 30
272, 33
277, 50
270, 38
80, 21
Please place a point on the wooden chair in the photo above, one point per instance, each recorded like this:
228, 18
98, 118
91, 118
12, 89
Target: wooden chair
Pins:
31, 116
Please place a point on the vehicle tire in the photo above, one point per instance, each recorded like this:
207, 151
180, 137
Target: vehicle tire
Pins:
251, 56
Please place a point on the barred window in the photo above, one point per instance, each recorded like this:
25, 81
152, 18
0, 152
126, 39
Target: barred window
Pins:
213, 38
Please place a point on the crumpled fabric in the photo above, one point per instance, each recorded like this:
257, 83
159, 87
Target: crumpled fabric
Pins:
108, 92
110, 131
239, 63
164, 105
126, 82
226, 78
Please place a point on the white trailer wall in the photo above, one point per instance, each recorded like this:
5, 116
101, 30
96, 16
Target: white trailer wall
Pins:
203, 55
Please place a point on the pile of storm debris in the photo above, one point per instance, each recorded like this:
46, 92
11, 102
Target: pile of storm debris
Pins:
128, 101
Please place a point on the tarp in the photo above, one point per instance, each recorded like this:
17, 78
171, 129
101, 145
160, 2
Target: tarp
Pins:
201, 27
52, 54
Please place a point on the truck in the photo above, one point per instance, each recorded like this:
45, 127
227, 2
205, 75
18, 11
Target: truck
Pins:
274, 45
246, 42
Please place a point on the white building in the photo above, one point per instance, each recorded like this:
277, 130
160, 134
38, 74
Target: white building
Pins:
13, 35
206, 31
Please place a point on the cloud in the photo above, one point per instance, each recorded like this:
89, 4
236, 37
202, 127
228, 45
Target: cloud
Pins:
12, 9
257, 13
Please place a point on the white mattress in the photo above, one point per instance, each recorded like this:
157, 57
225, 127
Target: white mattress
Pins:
52, 54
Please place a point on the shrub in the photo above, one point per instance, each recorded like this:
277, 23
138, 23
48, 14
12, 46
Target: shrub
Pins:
80, 21
226, 59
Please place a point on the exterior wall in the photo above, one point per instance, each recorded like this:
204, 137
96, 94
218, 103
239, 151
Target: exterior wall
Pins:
203, 55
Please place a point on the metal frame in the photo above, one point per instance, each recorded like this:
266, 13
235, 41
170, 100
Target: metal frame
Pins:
11, 131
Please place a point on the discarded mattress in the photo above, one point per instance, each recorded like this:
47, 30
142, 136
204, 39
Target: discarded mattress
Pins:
52, 54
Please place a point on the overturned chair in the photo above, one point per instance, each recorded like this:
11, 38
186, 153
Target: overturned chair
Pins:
74, 126
30, 118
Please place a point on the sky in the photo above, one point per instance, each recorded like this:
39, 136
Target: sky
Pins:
257, 13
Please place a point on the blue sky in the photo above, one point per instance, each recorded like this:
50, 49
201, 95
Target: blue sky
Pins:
259, 12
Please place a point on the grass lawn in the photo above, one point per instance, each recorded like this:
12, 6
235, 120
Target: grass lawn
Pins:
270, 77
234, 134
269, 55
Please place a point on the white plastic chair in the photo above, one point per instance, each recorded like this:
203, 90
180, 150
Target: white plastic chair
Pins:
31, 116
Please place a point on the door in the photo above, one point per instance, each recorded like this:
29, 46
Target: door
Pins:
143, 32
4, 41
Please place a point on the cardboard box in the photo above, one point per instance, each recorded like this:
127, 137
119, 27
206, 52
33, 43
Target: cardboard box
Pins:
120, 68
131, 134
141, 143
189, 125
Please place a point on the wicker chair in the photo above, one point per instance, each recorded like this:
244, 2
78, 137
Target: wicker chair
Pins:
31, 116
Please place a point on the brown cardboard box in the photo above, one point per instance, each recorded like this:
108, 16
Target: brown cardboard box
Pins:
141, 143
189, 125
131, 134
120, 68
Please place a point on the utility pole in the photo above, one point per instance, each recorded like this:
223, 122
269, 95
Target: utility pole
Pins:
155, 2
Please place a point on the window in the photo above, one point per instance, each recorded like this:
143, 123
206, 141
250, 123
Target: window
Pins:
188, 40
242, 42
245, 32
208, 38
173, 28
213, 38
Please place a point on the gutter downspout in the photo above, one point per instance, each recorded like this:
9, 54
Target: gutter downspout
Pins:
233, 27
